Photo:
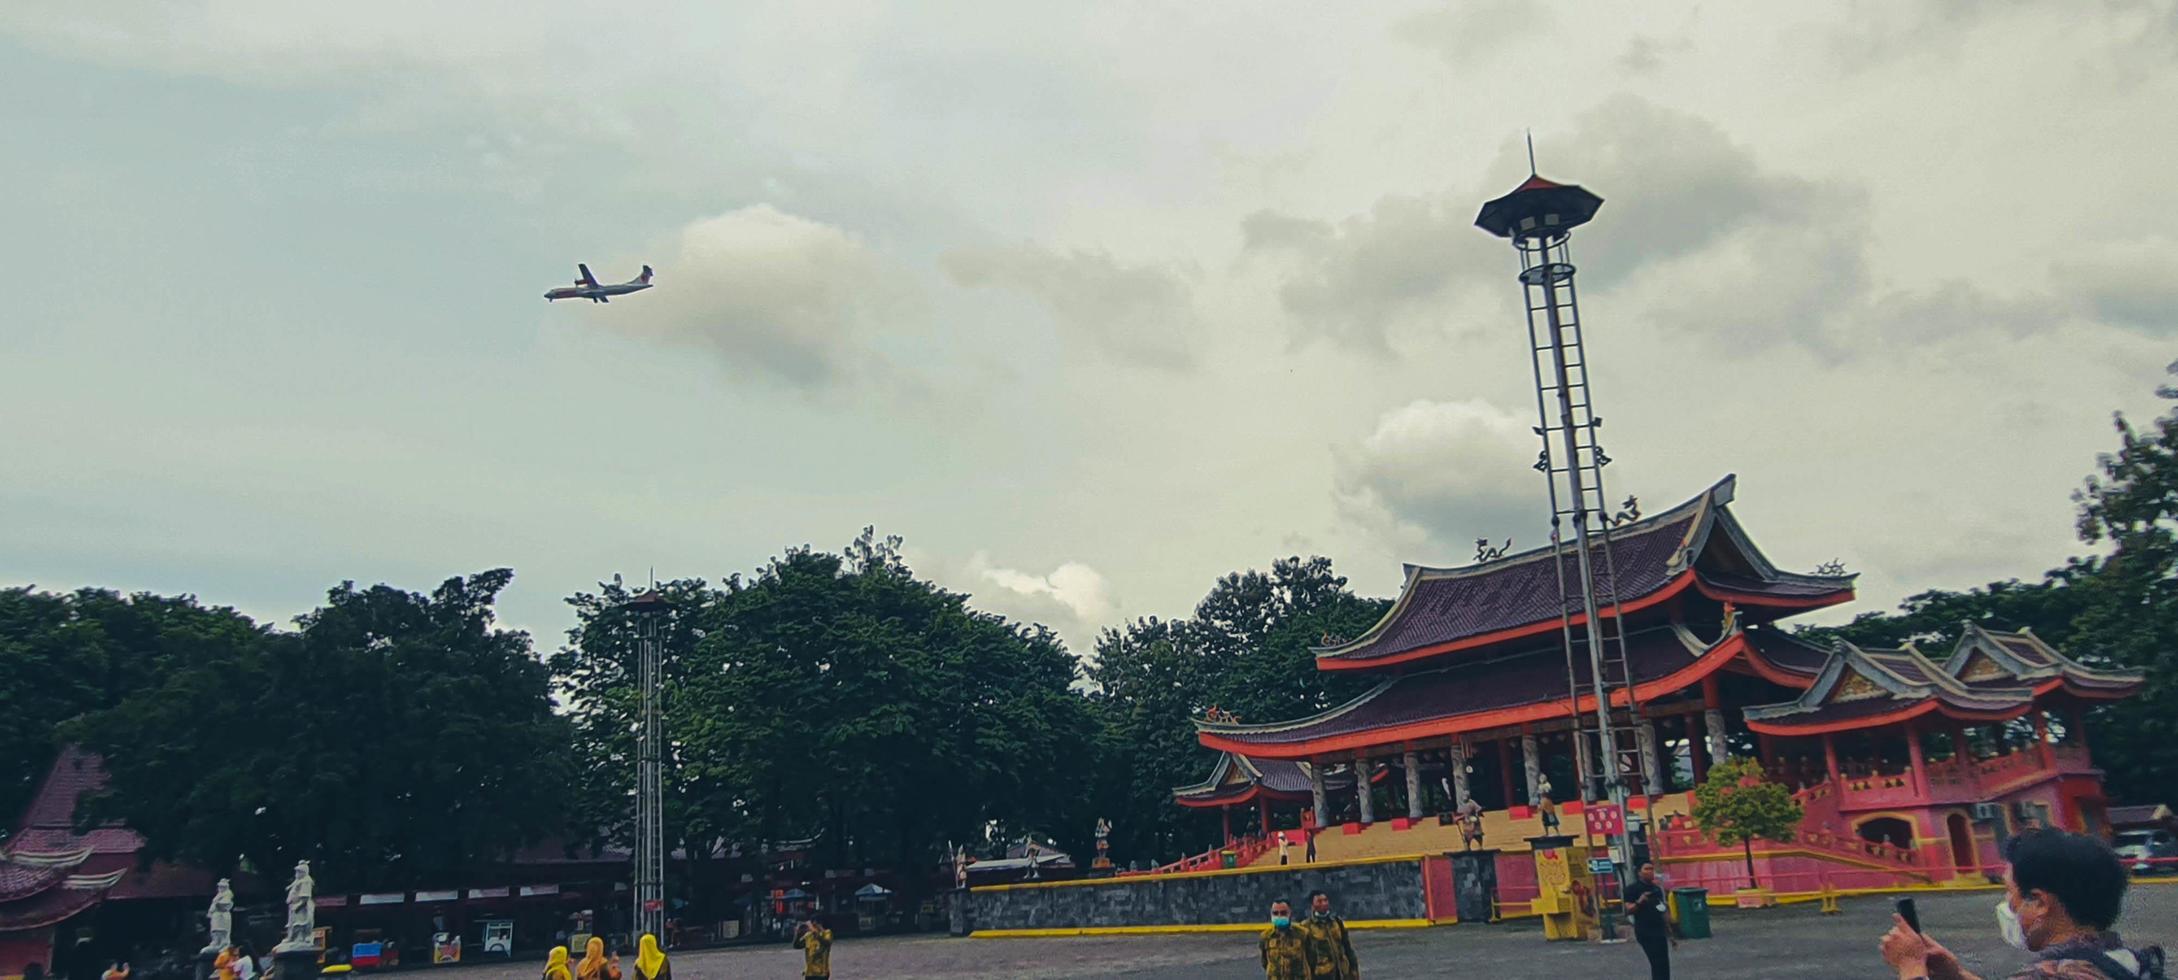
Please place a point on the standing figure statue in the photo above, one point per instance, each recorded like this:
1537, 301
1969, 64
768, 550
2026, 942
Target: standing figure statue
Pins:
1471, 824
302, 910
1104, 845
960, 866
1546, 805
220, 918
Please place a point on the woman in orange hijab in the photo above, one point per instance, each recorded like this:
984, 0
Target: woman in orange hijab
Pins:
556, 965
594, 965
223, 967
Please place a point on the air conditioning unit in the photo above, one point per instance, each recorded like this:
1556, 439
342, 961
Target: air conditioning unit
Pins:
1987, 812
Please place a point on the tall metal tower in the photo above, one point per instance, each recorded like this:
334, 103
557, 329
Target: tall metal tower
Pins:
1539, 217
649, 611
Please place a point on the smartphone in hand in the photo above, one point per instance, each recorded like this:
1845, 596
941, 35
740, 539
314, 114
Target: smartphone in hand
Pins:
1907, 912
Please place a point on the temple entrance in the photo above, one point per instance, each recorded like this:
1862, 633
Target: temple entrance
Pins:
1962, 841
1888, 830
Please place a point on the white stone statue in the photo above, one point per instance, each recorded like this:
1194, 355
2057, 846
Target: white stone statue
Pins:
220, 917
302, 910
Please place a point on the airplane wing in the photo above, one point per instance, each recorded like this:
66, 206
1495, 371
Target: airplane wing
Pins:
587, 279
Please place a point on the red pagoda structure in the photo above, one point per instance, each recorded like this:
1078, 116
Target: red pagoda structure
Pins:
1903, 761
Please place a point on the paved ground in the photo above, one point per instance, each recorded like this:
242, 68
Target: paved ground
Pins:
1788, 942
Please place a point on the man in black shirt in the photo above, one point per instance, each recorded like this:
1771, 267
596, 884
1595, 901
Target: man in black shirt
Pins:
1645, 903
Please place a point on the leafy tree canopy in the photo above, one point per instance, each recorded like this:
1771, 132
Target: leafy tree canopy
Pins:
394, 739
1736, 805
63, 656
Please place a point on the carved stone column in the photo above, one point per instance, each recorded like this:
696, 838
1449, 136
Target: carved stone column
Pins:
1532, 759
1414, 785
1645, 737
1713, 726
1363, 769
1459, 773
1315, 786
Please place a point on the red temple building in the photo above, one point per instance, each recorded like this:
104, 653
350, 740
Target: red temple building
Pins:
1907, 764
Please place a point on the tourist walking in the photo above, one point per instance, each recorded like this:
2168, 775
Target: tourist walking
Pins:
595, 964
1285, 847
650, 961
1330, 951
1284, 946
2062, 895
556, 965
1645, 905
815, 942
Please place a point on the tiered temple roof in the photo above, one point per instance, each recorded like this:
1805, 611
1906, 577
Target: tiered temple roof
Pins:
1695, 547
1989, 677
1528, 684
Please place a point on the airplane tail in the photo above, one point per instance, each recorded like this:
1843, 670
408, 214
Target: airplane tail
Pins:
645, 277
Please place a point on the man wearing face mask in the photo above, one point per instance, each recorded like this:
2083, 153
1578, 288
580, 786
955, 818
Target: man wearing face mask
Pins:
1330, 951
1285, 950
2062, 894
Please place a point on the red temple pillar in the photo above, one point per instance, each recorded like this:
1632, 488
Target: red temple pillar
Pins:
1262, 812
1225, 816
1830, 755
1505, 770
1697, 746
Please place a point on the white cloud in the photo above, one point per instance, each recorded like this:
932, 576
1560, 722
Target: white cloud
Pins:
769, 294
1142, 313
1435, 476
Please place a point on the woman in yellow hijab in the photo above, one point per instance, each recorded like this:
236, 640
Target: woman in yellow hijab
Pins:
650, 961
594, 965
223, 967
556, 965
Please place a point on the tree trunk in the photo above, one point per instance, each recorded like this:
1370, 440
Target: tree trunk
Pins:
1748, 844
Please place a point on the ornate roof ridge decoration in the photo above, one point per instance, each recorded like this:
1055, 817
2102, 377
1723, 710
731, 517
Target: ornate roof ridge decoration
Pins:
1863, 687
2004, 651
1444, 609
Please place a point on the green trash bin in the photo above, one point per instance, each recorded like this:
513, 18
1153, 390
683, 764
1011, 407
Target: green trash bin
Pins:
1228, 859
1693, 907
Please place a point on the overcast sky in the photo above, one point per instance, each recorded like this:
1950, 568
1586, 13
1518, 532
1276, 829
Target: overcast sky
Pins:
1091, 302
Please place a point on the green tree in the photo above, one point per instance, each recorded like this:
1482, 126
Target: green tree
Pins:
1247, 649
1935, 619
1735, 805
839, 699
63, 656
394, 739
2129, 602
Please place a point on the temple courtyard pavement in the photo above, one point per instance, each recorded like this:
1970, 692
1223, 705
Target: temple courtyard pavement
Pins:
1794, 941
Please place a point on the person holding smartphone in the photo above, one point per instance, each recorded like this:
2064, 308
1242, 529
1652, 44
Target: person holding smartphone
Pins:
1645, 905
815, 942
2062, 895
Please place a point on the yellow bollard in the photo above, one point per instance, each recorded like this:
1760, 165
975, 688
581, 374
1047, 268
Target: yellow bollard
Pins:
1830, 899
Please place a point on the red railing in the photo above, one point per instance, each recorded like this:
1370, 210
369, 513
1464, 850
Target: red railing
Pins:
1245, 849
1687, 842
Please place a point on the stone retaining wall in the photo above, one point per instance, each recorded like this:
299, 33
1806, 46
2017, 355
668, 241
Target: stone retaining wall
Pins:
1359, 890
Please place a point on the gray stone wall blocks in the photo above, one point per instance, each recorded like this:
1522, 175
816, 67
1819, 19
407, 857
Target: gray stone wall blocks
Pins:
1382, 890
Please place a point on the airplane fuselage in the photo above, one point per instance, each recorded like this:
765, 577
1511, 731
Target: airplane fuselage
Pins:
596, 294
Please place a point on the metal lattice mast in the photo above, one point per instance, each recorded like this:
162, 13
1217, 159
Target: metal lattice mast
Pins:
1539, 217
649, 611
